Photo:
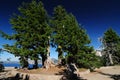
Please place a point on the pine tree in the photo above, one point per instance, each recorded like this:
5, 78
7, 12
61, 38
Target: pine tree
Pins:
77, 45
58, 26
72, 39
31, 32
111, 41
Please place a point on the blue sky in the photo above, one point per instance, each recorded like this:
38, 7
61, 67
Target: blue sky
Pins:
96, 16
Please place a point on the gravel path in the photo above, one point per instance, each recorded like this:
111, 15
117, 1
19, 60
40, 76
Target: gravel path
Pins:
107, 73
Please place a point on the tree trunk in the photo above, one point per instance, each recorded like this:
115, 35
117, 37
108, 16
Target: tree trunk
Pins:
35, 66
60, 55
48, 61
44, 57
110, 58
24, 62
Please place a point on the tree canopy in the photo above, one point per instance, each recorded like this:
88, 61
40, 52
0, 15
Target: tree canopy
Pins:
31, 31
71, 38
111, 47
34, 30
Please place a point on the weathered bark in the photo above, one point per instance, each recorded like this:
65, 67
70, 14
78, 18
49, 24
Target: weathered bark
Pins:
35, 56
43, 58
48, 61
24, 62
110, 58
60, 55
42, 62
35, 64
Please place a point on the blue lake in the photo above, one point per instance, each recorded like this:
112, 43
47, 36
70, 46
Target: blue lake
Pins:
17, 65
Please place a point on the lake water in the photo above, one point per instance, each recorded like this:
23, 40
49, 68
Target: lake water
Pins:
17, 65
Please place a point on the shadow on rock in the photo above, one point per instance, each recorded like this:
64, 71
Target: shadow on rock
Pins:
18, 76
69, 76
113, 76
116, 77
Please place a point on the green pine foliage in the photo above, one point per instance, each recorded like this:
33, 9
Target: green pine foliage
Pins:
73, 40
111, 46
32, 33
59, 29
77, 46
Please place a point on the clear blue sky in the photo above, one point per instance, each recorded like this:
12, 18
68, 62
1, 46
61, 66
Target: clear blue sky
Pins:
96, 16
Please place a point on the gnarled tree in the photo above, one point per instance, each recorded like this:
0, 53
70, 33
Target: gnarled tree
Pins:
59, 25
111, 42
31, 31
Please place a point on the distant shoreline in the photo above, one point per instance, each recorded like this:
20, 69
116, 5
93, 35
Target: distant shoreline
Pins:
9, 68
18, 65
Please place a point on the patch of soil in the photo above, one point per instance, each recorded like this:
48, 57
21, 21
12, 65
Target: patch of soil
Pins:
82, 69
51, 71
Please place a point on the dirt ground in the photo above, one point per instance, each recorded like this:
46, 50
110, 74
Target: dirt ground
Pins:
106, 73
50, 71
